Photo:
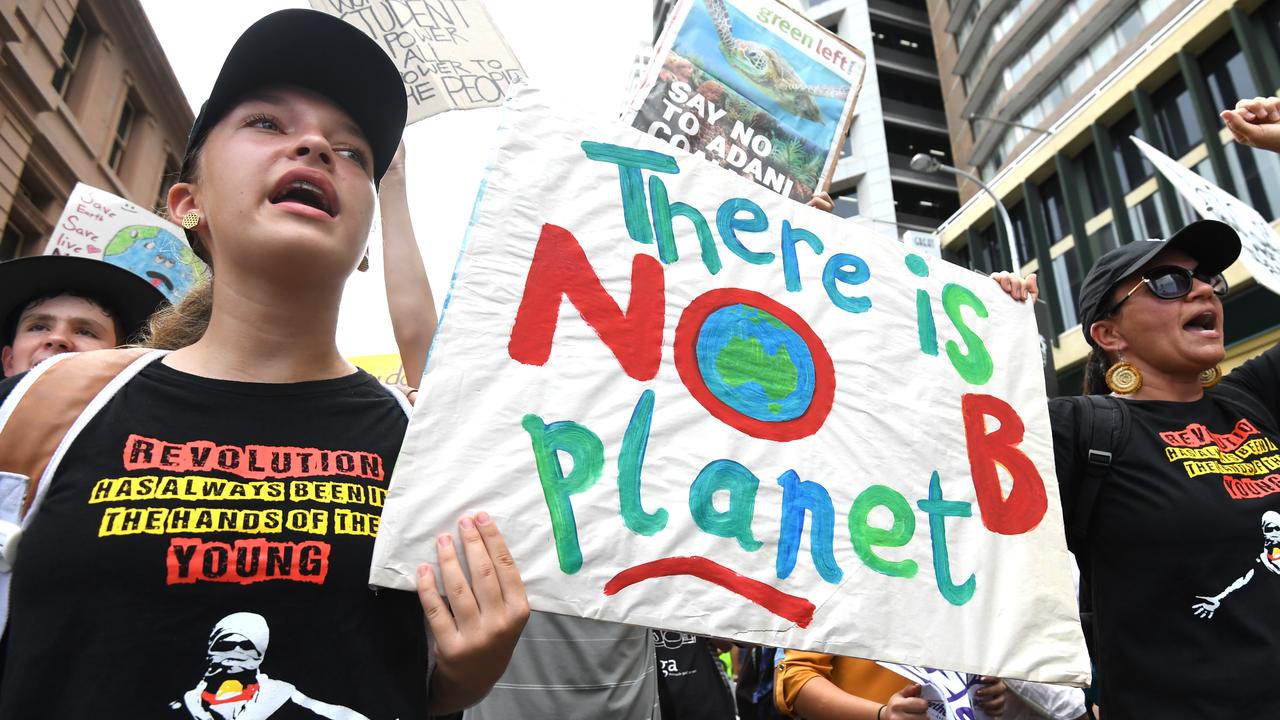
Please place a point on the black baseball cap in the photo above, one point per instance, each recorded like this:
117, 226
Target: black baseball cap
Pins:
319, 52
1214, 245
128, 297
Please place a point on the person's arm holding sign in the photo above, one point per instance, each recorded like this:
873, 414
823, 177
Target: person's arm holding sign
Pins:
476, 627
1255, 122
822, 201
819, 686
413, 311
820, 699
1019, 288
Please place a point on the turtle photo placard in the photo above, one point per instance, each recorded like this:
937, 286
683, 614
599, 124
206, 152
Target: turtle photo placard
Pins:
693, 404
755, 87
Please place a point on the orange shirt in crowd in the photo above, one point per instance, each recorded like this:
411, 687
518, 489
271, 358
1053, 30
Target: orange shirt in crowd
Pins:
855, 676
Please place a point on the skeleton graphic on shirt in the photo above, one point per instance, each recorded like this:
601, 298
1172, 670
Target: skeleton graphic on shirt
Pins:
1269, 558
233, 686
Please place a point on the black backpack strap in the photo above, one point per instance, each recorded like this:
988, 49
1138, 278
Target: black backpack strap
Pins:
1102, 428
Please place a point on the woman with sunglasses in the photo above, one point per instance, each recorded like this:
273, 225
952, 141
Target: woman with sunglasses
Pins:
1175, 522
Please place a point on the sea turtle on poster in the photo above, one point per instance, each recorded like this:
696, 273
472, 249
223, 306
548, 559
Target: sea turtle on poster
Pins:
768, 70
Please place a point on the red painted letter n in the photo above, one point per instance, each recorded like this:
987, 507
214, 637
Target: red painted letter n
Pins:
560, 268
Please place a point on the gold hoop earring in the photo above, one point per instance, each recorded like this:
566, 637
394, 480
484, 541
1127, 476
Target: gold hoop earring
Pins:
1210, 377
364, 263
1124, 378
190, 220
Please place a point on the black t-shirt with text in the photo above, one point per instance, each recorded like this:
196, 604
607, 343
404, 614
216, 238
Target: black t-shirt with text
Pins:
203, 552
1184, 545
691, 681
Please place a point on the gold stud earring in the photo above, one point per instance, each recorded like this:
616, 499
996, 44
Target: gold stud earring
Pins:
1210, 377
364, 263
1124, 378
190, 220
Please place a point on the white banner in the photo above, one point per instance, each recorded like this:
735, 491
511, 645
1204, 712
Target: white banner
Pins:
449, 53
103, 226
1260, 245
693, 404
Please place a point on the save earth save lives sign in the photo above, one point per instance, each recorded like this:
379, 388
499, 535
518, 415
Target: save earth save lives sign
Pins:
695, 405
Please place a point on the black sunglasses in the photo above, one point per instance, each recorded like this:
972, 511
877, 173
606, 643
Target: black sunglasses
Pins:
1170, 282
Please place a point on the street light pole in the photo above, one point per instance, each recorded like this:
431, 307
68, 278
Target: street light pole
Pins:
923, 162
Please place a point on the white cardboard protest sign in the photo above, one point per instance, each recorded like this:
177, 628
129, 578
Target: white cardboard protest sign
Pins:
449, 52
103, 226
1259, 243
695, 405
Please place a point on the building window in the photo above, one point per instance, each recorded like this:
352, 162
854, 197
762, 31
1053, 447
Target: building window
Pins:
1055, 210
1022, 233
1148, 219
1227, 73
72, 49
1067, 282
1257, 177
995, 33
1269, 16
908, 141
1089, 169
846, 203
1204, 169
124, 128
986, 253
11, 242
1134, 168
1049, 103
921, 207
28, 226
958, 254
1104, 239
908, 89
167, 178
895, 37
1175, 116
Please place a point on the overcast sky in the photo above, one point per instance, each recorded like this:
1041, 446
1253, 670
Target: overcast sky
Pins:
581, 50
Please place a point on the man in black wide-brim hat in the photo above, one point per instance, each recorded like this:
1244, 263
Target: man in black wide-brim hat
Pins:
52, 304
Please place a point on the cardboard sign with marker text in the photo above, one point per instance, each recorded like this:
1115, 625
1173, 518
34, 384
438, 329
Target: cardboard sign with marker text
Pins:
104, 226
693, 404
449, 52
